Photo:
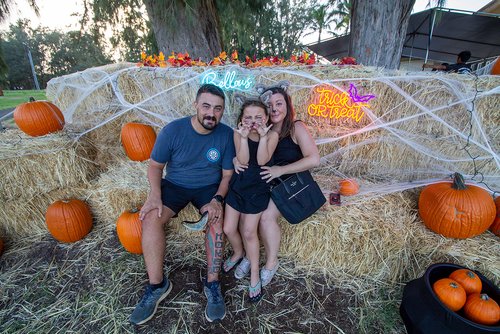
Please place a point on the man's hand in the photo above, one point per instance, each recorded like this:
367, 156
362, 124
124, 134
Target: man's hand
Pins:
153, 202
238, 167
214, 209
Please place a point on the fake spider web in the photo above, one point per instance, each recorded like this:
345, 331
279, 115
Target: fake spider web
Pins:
419, 129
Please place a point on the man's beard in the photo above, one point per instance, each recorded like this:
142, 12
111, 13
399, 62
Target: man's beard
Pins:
207, 126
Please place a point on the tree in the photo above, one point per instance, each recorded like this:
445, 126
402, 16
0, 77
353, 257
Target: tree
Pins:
378, 29
321, 18
204, 28
54, 53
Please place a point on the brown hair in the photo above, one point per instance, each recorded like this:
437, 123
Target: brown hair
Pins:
287, 129
252, 102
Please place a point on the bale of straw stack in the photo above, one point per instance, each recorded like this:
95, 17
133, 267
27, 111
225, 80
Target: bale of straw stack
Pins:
382, 240
31, 166
25, 216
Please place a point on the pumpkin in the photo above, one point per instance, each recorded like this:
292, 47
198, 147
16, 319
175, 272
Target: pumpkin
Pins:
129, 230
68, 221
450, 293
138, 140
468, 280
495, 70
495, 227
482, 309
348, 187
456, 210
38, 118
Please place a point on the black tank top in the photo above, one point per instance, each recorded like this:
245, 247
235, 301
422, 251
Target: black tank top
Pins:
287, 152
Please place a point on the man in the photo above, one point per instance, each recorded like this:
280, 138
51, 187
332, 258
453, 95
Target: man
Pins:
197, 151
460, 67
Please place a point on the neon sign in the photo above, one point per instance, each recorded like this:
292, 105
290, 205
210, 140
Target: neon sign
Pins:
228, 80
332, 103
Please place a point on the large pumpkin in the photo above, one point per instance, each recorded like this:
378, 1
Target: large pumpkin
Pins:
495, 70
468, 280
138, 140
450, 293
348, 187
482, 309
456, 210
68, 221
495, 227
38, 118
129, 230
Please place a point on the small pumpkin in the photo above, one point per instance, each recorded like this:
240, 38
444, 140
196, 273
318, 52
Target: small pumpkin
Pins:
348, 187
456, 210
129, 230
138, 140
495, 227
468, 280
450, 293
38, 118
482, 309
68, 221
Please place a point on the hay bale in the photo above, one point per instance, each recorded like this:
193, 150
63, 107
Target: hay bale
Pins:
25, 216
35, 165
122, 187
382, 240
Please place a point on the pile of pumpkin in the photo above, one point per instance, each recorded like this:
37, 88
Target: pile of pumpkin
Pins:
461, 292
71, 220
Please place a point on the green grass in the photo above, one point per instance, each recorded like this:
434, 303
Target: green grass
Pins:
13, 98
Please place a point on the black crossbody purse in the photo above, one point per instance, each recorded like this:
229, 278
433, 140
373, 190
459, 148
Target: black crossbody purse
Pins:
297, 197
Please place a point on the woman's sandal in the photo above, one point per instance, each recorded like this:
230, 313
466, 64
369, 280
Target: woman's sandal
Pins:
253, 290
242, 269
267, 275
228, 265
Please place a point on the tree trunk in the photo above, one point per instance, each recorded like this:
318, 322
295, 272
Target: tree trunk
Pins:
378, 30
182, 28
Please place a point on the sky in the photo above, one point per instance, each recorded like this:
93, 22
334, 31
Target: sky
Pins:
54, 15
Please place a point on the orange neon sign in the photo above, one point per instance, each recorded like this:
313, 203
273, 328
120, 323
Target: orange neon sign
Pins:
332, 103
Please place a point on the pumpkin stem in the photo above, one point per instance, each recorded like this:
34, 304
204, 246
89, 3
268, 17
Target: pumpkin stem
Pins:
484, 296
458, 182
134, 210
32, 99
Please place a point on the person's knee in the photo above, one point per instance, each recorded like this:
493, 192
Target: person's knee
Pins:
230, 229
249, 234
151, 221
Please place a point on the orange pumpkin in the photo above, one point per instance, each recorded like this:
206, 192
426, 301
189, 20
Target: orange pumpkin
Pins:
456, 210
468, 280
482, 309
68, 221
495, 227
138, 140
450, 293
129, 230
38, 118
348, 187
495, 70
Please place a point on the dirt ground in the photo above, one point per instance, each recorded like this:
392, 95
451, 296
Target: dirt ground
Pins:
93, 285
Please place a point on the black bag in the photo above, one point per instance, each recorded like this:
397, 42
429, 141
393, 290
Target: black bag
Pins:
297, 197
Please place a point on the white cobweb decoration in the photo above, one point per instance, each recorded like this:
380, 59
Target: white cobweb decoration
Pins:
419, 129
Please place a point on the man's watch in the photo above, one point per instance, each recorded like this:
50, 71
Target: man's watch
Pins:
219, 199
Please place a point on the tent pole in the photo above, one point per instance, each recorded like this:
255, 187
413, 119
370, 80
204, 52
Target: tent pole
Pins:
431, 29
